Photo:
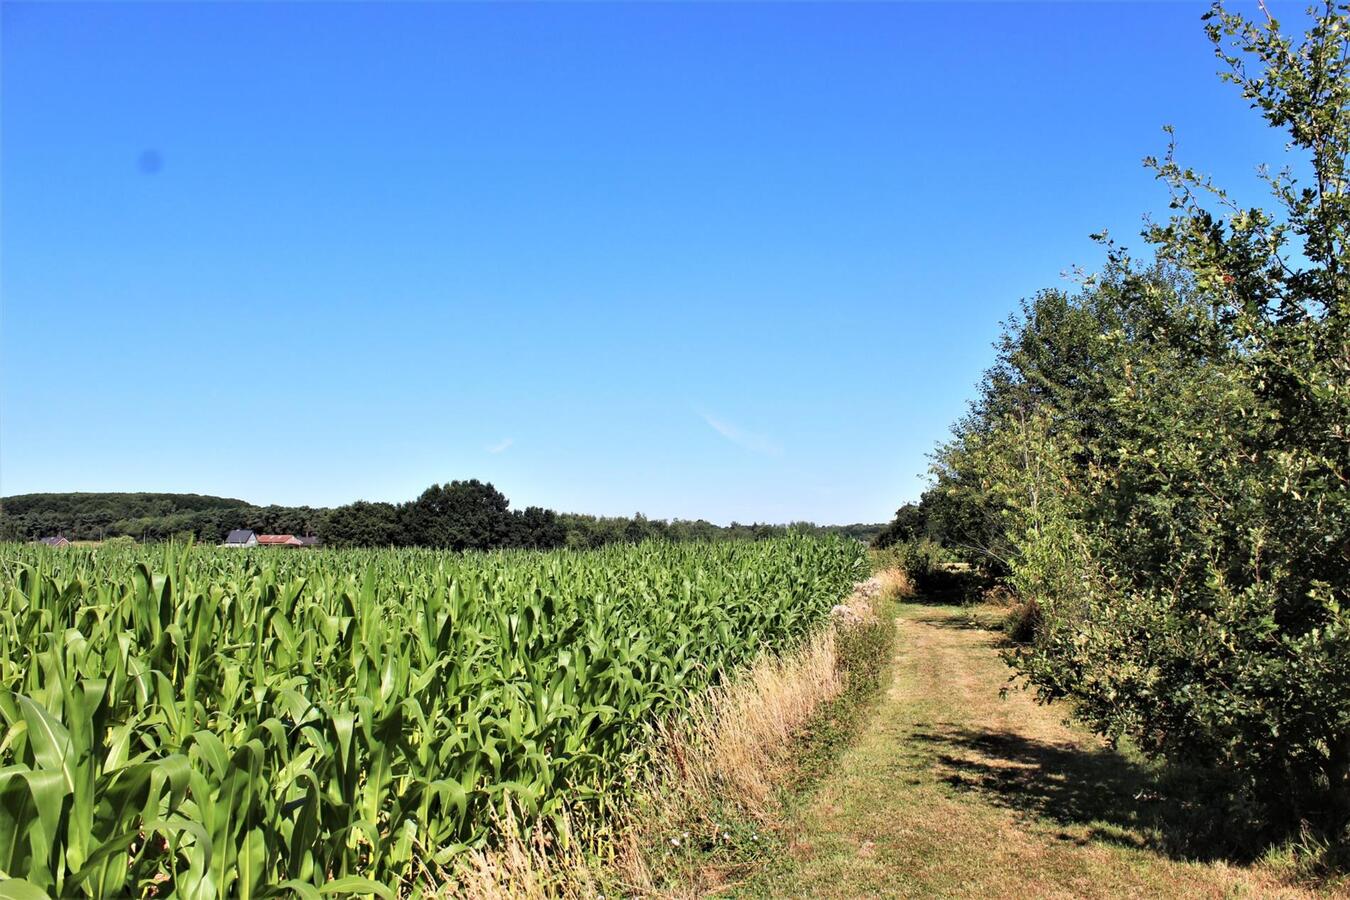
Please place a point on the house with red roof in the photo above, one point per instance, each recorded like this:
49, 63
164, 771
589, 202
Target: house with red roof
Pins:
279, 540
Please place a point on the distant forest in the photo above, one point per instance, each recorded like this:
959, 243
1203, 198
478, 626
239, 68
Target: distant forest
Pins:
460, 515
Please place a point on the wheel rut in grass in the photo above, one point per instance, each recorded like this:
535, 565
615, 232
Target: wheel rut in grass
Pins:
957, 788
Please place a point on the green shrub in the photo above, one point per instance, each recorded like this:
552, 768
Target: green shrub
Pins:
863, 652
936, 572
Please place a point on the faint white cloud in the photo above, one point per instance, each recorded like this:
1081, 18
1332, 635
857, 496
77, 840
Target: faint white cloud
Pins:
755, 443
501, 445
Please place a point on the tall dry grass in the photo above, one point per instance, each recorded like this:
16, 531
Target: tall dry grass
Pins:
526, 863
727, 760
894, 584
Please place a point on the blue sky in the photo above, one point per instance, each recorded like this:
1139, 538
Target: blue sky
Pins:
699, 260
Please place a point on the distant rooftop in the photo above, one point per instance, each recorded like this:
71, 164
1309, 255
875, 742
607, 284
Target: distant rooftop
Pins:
279, 540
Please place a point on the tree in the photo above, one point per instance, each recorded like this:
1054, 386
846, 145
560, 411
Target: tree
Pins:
362, 524
461, 515
906, 526
1162, 461
537, 529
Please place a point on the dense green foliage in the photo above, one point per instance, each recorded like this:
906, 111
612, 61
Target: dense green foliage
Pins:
1163, 458
965, 530
909, 524
460, 515
146, 517
597, 531
219, 723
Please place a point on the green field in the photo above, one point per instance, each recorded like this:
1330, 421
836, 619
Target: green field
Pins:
220, 723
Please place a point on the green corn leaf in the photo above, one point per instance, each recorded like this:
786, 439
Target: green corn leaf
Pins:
14, 889
353, 885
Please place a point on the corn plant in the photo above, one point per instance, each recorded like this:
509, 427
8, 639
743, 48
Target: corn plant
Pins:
204, 723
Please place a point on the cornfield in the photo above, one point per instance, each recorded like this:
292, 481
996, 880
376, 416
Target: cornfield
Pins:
205, 723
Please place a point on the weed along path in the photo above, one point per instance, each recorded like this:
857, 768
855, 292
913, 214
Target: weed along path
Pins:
951, 790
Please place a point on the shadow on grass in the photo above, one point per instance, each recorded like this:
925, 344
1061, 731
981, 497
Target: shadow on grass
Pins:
967, 619
941, 601
1118, 800
955, 622
949, 587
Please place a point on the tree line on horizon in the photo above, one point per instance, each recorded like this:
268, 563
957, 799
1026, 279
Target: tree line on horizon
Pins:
458, 515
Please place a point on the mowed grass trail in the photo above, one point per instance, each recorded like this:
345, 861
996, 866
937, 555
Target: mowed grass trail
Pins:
952, 791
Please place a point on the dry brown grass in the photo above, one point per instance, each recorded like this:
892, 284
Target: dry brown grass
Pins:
895, 585
533, 865
730, 755
734, 745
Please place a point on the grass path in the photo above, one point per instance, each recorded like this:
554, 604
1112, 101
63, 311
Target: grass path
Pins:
953, 791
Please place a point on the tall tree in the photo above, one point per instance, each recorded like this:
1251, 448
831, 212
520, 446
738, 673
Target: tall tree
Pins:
1165, 458
460, 515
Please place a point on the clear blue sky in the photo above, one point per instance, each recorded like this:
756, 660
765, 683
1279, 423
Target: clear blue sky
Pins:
723, 261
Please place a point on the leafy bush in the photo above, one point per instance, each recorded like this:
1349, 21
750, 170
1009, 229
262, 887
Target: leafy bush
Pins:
934, 572
914, 557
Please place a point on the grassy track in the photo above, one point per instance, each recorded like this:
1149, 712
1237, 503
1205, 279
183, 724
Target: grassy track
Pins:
952, 791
